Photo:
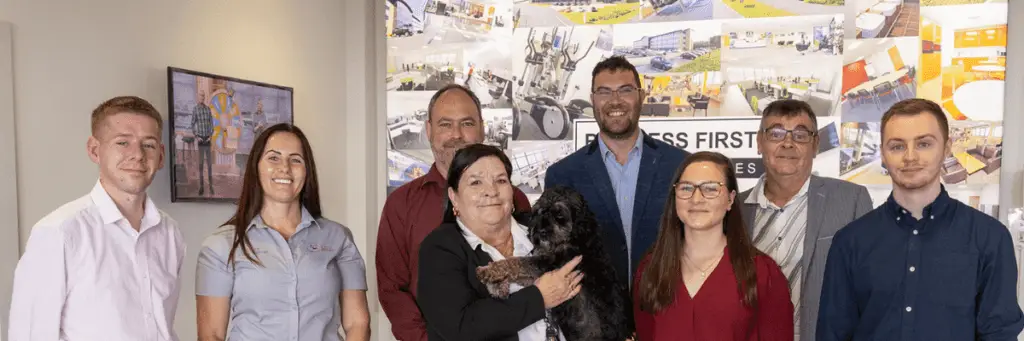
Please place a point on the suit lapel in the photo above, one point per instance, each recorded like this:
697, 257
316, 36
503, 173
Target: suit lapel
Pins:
817, 201
645, 182
480, 258
599, 178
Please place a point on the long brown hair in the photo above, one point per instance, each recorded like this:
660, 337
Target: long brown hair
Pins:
663, 274
250, 202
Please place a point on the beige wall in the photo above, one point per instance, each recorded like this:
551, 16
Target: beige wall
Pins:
71, 55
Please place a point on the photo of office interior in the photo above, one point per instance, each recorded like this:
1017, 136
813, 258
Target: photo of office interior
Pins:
877, 73
860, 159
530, 161
670, 47
958, 2
749, 89
405, 123
963, 59
427, 69
887, 18
682, 94
784, 38
447, 20
976, 154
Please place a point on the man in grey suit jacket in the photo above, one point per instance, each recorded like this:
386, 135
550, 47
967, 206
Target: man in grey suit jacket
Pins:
791, 214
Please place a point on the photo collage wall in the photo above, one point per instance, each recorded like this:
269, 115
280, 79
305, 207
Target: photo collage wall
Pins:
709, 68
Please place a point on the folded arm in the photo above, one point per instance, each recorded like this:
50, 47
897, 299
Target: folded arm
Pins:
451, 308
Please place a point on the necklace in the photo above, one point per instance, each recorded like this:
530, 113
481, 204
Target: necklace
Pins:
507, 248
704, 272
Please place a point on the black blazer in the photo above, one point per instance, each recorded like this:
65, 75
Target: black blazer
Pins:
455, 305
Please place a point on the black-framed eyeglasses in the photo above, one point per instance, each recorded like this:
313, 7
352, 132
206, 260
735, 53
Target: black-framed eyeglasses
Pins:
606, 93
778, 134
708, 189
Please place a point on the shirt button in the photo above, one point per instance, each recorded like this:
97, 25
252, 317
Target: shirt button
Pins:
897, 218
909, 309
904, 211
912, 269
915, 232
932, 217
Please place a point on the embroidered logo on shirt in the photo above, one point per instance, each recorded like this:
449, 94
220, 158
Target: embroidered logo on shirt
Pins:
319, 247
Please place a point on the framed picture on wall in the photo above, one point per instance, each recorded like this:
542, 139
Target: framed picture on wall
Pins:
214, 121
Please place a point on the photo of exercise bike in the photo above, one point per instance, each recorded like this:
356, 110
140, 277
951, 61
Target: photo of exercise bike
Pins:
549, 95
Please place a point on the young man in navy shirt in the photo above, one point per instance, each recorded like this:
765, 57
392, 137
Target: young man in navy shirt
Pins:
923, 266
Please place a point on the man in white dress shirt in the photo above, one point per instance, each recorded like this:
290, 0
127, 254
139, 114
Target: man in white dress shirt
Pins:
106, 266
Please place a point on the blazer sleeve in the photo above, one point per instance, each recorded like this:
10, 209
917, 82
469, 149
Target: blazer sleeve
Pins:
552, 177
837, 308
774, 305
451, 307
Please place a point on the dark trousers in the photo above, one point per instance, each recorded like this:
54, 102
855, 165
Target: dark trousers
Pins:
205, 157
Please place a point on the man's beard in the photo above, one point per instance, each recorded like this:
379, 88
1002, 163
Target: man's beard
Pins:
443, 155
624, 132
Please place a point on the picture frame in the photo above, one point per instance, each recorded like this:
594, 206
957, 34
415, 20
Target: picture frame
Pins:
208, 155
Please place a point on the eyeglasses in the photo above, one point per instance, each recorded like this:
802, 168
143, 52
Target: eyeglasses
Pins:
709, 189
606, 93
778, 134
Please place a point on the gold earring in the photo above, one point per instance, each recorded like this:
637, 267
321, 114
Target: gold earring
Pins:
455, 211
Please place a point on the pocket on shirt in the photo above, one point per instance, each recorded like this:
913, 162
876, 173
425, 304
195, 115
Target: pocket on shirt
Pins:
951, 279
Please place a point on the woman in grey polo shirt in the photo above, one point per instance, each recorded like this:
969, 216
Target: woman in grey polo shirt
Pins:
278, 270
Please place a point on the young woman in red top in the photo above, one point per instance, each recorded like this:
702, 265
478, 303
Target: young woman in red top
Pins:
703, 279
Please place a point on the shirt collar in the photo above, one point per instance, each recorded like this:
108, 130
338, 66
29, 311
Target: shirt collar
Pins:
936, 209
111, 214
761, 199
605, 151
520, 239
433, 176
307, 220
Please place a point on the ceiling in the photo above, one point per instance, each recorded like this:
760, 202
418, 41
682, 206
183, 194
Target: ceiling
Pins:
862, 48
966, 16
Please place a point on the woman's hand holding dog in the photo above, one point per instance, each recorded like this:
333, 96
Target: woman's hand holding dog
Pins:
560, 285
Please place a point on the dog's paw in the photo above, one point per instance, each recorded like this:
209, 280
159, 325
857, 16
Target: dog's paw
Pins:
498, 290
489, 274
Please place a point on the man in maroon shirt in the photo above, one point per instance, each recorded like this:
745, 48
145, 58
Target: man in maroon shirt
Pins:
413, 210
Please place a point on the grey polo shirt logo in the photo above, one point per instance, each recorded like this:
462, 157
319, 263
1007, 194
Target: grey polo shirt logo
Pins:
318, 247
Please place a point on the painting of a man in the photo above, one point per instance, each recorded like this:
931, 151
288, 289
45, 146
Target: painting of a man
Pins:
202, 129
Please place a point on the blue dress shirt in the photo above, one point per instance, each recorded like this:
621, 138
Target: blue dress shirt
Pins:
624, 177
949, 276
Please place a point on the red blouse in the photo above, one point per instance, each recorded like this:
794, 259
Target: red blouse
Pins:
717, 312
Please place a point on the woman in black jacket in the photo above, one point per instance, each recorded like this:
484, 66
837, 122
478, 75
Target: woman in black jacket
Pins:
479, 228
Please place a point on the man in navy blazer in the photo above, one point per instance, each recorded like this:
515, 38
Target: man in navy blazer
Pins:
624, 175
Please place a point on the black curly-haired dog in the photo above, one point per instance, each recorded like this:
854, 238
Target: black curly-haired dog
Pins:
562, 227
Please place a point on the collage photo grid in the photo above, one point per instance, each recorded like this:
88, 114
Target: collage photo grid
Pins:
530, 63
